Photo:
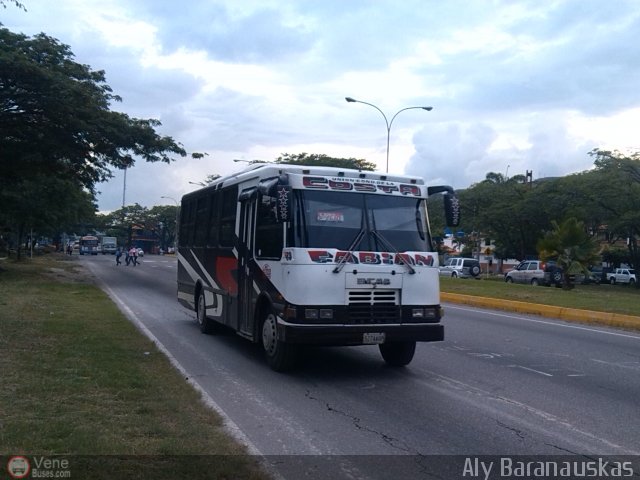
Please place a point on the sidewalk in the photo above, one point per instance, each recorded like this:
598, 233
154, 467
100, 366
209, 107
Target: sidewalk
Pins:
563, 313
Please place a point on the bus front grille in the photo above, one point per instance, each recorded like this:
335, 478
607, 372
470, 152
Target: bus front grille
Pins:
373, 306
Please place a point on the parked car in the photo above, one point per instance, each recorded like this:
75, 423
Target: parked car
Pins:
599, 274
458, 267
622, 275
535, 272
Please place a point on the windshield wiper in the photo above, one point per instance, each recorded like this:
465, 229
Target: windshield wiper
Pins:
350, 250
386, 243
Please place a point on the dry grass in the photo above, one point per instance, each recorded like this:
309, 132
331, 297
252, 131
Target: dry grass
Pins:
79, 379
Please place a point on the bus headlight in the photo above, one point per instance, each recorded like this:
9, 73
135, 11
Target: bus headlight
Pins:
424, 313
315, 314
311, 313
326, 313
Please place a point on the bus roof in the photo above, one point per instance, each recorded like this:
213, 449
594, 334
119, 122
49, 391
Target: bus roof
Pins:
273, 170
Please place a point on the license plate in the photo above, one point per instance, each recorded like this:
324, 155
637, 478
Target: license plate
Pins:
373, 338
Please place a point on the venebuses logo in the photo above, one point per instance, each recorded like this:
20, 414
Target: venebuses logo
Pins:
18, 467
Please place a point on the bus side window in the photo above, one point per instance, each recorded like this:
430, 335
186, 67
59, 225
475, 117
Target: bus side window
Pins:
200, 225
214, 219
186, 223
228, 216
269, 239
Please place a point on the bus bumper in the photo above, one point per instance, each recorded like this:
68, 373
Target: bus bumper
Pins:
342, 335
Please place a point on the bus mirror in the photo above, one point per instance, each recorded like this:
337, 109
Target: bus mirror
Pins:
451, 209
268, 187
439, 189
283, 203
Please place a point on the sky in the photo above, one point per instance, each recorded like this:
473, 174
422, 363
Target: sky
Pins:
514, 86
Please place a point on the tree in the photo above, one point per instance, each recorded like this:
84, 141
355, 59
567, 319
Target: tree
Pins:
3, 3
616, 179
56, 119
121, 223
164, 219
507, 211
571, 247
45, 205
56, 123
315, 159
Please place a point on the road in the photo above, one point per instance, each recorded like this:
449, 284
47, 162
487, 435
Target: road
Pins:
500, 384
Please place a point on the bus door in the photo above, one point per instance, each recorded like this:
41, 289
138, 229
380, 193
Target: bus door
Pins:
245, 254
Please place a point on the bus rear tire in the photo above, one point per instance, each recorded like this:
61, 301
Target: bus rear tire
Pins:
398, 354
280, 356
207, 326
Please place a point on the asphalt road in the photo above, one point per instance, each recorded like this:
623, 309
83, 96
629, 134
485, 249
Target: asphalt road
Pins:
500, 384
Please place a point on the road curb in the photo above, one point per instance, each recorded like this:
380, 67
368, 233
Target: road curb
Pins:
568, 314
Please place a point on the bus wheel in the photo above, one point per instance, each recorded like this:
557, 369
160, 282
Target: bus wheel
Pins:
280, 356
207, 325
398, 354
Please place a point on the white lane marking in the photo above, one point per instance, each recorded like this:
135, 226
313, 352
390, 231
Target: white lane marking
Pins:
629, 365
595, 330
530, 369
470, 389
490, 355
230, 426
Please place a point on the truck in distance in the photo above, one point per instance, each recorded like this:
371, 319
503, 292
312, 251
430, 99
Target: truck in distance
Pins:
109, 245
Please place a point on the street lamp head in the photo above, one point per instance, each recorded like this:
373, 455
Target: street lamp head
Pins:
428, 109
170, 198
250, 162
350, 100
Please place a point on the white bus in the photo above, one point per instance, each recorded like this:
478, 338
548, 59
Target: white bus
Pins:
89, 245
290, 255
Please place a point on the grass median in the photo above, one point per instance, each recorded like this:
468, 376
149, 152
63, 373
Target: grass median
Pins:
77, 378
622, 299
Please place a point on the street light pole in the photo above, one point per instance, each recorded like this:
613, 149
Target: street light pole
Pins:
175, 231
388, 123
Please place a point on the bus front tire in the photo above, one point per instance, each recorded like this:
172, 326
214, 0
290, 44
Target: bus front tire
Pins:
280, 356
398, 354
207, 326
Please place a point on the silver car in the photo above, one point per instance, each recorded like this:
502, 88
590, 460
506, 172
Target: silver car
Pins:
528, 271
457, 267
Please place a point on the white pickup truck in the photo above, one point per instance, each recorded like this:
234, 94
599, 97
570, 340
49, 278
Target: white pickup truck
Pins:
622, 275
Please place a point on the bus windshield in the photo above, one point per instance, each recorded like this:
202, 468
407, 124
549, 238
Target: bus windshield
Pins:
336, 219
89, 241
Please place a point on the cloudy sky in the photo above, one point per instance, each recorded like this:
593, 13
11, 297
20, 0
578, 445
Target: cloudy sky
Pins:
514, 85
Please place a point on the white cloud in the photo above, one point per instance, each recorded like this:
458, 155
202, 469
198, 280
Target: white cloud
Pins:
526, 85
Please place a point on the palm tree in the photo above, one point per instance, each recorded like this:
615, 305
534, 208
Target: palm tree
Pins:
571, 247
